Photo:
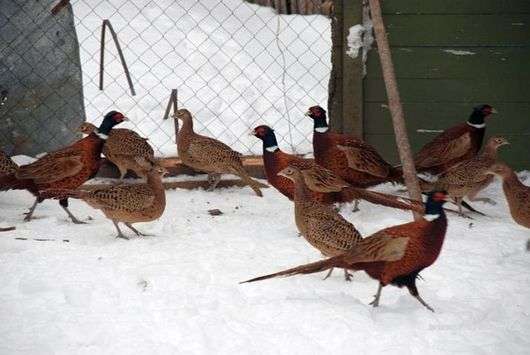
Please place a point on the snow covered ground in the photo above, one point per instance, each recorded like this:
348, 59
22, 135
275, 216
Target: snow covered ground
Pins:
177, 292
236, 65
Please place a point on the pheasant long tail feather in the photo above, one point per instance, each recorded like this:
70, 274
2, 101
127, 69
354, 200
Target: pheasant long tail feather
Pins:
379, 198
303, 269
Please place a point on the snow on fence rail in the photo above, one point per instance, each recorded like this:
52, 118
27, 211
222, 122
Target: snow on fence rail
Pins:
235, 65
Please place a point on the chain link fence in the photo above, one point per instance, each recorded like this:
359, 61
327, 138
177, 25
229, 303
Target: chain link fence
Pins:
235, 65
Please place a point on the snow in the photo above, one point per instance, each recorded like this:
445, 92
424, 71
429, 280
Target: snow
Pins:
355, 40
85, 292
236, 65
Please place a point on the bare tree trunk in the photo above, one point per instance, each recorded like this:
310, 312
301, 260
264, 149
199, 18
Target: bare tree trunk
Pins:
394, 102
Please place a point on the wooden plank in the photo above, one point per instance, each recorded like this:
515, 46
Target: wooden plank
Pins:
456, 6
455, 63
439, 116
458, 30
483, 89
516, 154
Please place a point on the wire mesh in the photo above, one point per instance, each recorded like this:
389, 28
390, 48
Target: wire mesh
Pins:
235, 65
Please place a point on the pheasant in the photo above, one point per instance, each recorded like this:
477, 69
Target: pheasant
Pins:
325, 186
454, 145
67, 168
210, 155
349, 157
7, 165
122, 147
321, 225
394, 255
468, 178
517, 194
126, 203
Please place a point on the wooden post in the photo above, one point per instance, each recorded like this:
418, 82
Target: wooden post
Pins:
394, 103
345, 100
173, 102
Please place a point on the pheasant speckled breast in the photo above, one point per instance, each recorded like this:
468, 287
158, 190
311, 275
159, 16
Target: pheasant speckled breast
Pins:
7, 165
210, 155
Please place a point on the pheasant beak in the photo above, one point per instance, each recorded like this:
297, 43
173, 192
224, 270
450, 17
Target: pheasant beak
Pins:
493, 111
125, 118
281, 173
308, 113
252, 133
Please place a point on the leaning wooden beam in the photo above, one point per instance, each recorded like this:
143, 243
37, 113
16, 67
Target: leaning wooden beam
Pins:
106, 23
394, 102
59, 6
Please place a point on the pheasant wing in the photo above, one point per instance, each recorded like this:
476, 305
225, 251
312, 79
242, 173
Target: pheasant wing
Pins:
320, 179
365, 158
130, 198
381, 246
440, 151
53, 167
127, 142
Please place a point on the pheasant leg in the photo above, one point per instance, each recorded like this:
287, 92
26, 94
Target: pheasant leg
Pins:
120, 234
213, 180
138, 233
347, 276
377, 296
414, 292
64, 205
29, 214
356, 206
328, 274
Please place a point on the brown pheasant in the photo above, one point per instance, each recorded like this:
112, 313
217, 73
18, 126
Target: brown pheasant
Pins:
468, 178
349, 157
394, 255
122, 147
320, 224
454, 145
210, 155
126, 203
517, 194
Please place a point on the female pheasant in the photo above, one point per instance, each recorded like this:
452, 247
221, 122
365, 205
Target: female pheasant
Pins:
122, 147
394, 255
319, 224
209, 155
517, 194
468, 178
126, 203
67, 168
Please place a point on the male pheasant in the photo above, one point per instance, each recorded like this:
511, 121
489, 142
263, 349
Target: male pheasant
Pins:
394, 255
66, 168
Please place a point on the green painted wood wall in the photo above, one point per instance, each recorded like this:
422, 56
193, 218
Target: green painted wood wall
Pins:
450, 56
